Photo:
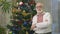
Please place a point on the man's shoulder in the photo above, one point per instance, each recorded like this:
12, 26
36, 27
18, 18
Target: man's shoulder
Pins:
34, 16
47, 13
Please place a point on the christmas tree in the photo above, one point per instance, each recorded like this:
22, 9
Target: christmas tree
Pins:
21, 17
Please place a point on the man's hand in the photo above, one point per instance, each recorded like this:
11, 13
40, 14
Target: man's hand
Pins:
32, 27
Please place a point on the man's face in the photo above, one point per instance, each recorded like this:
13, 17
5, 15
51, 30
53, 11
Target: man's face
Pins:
39, 7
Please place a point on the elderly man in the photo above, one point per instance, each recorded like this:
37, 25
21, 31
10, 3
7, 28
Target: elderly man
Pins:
42, 21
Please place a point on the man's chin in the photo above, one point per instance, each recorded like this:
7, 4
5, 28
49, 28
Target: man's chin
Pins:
39, 12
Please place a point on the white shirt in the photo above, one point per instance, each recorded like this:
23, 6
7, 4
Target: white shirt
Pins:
45, 26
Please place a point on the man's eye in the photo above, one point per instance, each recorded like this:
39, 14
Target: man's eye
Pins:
39, 7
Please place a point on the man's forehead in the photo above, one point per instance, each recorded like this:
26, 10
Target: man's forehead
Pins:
39, 4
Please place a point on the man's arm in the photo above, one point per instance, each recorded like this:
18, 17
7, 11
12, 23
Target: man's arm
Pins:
33, 23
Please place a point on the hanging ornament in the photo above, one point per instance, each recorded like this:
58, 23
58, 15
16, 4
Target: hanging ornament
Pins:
18, 28
19, 22
18, 10
17, 3
20, 3
14, 10
26, 32
10, 32
13, 28
25, 24
16, 20
32, 2
24, 13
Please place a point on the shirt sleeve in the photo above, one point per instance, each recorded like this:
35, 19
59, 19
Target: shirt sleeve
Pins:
34, 20
46, 23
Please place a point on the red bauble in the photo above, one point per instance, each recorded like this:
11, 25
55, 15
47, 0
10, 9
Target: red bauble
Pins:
19, 22
32, 2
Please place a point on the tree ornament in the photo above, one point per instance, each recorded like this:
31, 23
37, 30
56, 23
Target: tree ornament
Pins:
16, 20
19, 22
13, 28
32, 2
26, 32
18, 28
20, 3
25, 23
18, 10
10, 32
14, 10
24, 13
